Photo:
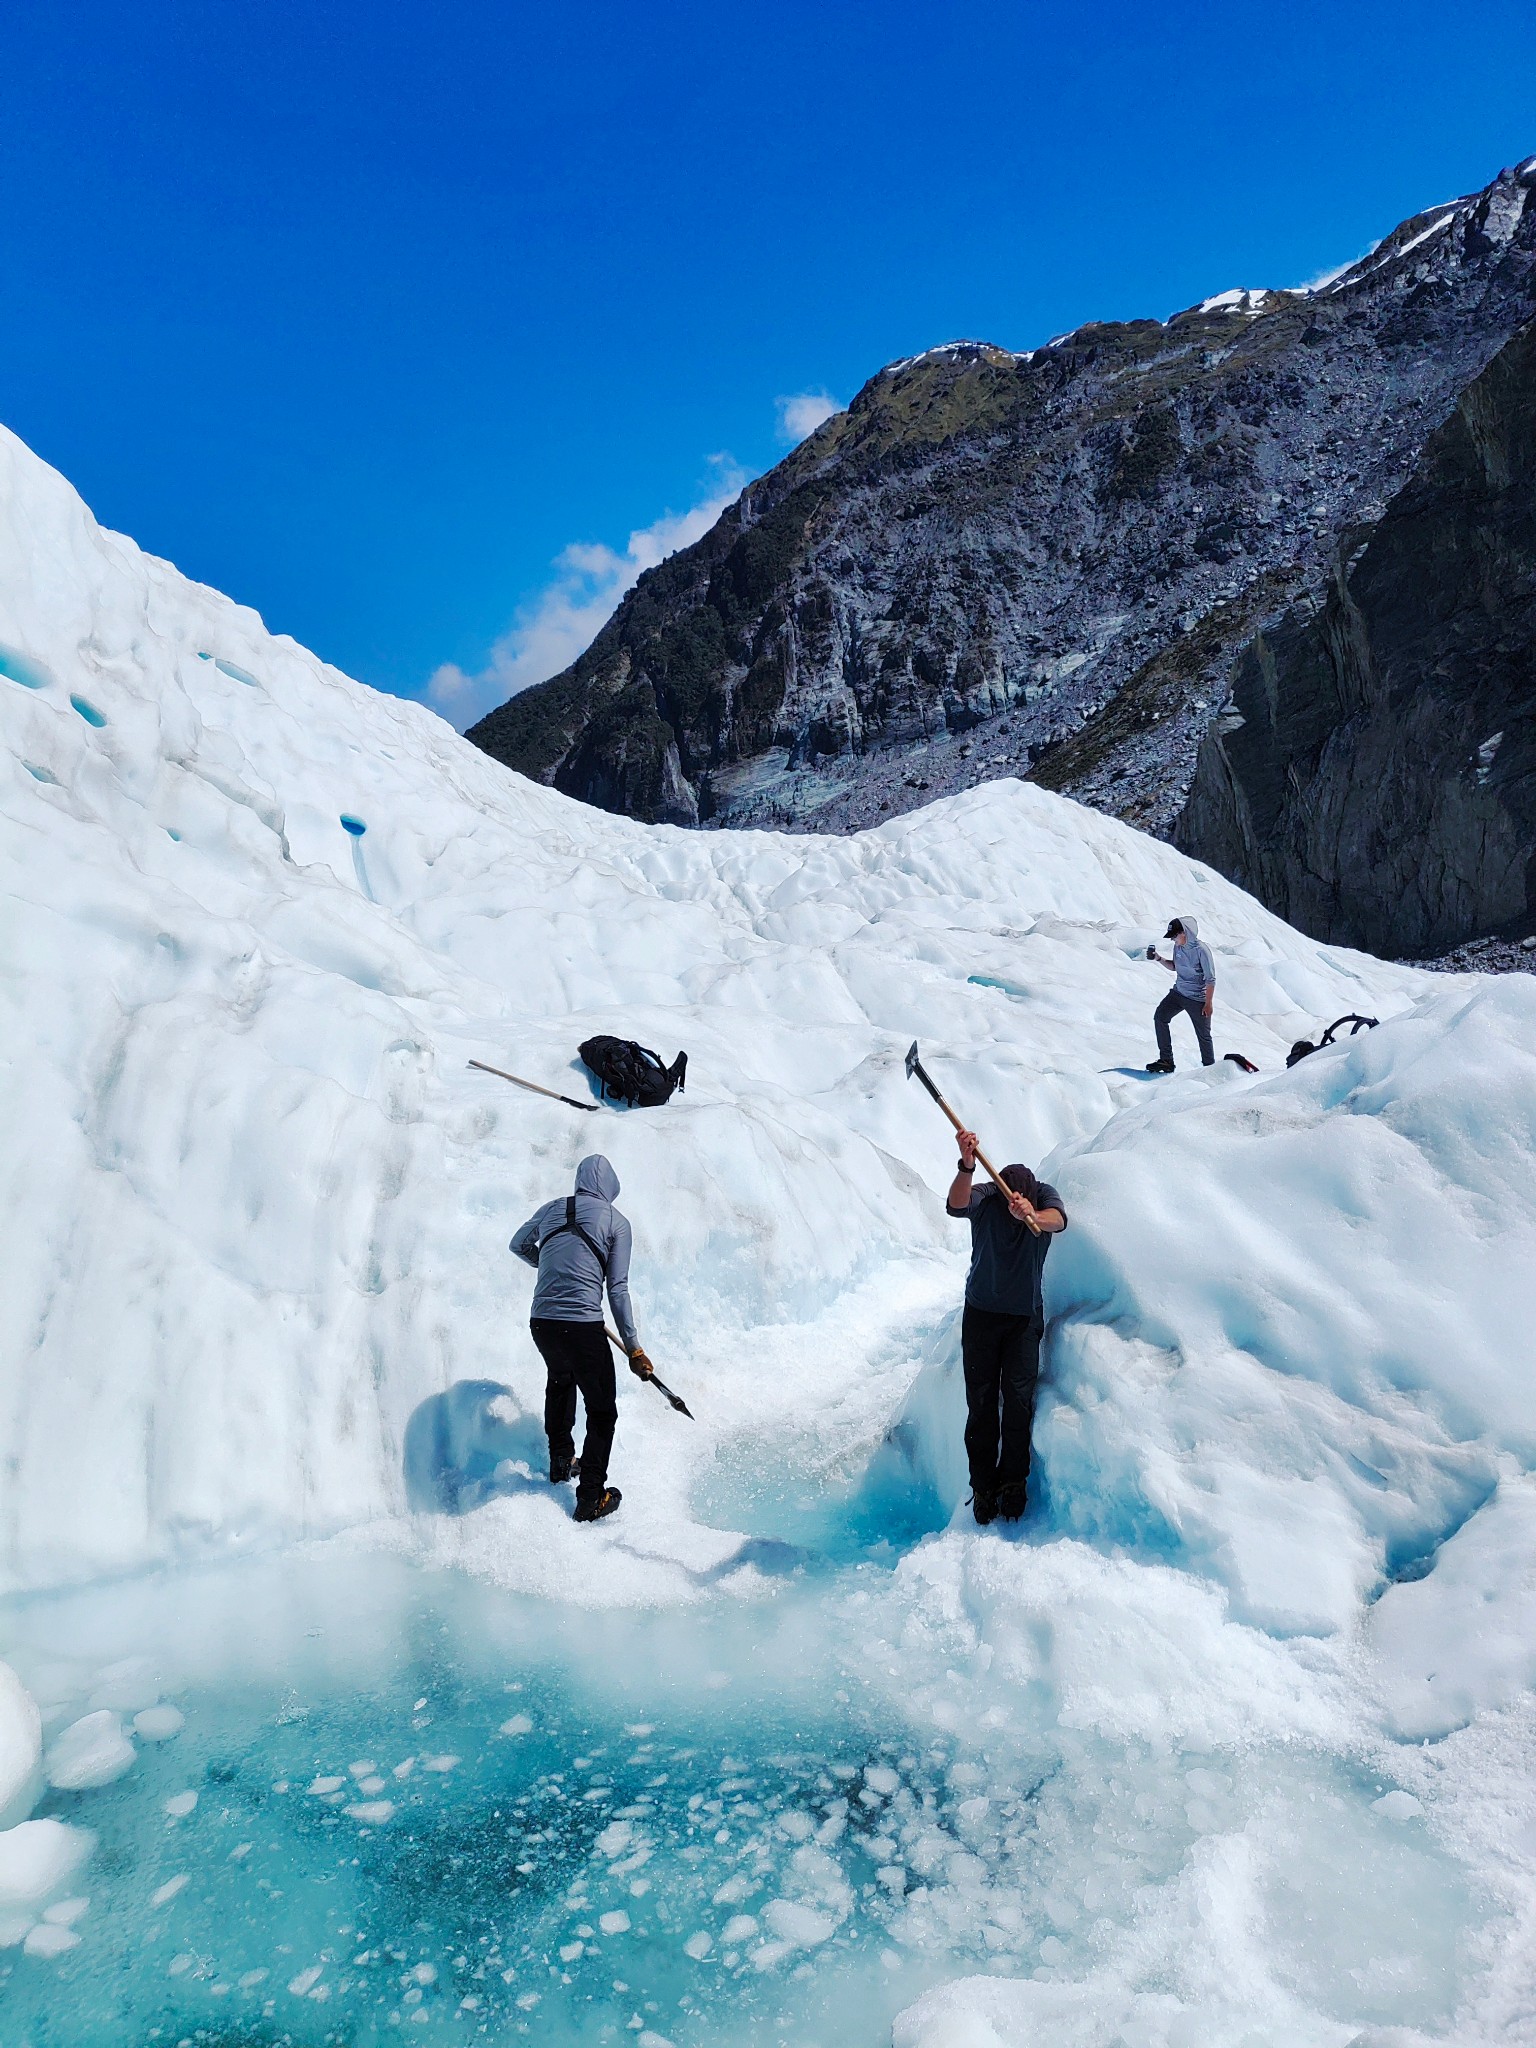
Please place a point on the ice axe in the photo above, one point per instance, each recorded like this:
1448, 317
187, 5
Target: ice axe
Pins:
533, 1086
651, 1380
915, 1066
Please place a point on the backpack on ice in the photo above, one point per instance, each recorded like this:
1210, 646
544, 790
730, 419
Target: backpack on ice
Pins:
633, 1073
1303, 1046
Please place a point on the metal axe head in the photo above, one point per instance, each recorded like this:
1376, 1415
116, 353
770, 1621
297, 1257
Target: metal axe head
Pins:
913, 1062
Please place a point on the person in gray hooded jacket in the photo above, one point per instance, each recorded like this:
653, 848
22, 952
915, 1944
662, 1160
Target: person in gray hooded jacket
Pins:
1193, 993
580, 1244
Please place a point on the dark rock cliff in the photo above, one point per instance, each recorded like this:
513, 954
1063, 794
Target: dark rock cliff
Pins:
1373, 777
1000, 564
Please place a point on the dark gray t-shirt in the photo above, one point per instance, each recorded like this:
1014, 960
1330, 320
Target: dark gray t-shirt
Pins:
1006, 1257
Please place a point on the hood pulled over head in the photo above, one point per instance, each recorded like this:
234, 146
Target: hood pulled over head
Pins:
595, 1176
1023, 1182
1189, 928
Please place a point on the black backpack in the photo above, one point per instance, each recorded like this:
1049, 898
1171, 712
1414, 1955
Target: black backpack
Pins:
633, 1073
1303, 1046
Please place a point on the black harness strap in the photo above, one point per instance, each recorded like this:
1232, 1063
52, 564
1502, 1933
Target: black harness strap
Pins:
576, 1230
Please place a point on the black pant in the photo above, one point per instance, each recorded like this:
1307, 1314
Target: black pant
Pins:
1164, 1015
1001, 1355
578, 1357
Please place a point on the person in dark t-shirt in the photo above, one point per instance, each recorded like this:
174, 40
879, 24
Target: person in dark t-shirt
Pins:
1002, 1325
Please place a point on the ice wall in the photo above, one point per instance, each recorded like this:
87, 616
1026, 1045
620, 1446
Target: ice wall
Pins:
255, 1203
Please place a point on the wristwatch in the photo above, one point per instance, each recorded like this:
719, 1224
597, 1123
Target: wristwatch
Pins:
963, 1168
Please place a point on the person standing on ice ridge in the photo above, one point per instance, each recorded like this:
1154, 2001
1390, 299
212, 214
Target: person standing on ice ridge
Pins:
1193, 993
1002, 1325
578, 1244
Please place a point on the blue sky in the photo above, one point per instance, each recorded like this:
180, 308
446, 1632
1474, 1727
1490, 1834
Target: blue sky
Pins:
397, 322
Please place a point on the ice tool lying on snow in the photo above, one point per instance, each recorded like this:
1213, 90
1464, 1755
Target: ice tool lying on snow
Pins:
533, 1086
651, 1380
915, 1066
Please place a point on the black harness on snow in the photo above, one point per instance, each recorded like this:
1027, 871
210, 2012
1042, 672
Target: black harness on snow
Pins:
576, 1230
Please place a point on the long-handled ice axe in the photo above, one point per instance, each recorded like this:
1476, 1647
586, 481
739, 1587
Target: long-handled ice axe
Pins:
651, 1380
533, 1087
915, 1066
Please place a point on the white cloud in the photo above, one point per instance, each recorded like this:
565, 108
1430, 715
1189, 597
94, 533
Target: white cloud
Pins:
565, 617
803, 413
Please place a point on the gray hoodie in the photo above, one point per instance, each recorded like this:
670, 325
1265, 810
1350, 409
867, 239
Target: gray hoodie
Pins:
1194, 971
570, 1287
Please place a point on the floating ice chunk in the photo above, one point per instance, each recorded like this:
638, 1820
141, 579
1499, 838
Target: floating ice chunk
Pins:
699, 1945
372, 1813
126, 1686
306, 1980
614, 1923
799, 1827
370, 1785
38, 1858
520, 1724
405, 1768
158, 1723
1397, 1805
180, 1804
14, 1929
48, 1941
91, 1752
615, 1838
21, 1745
795, 1922
364, 1769
570, 1951
440, 1763
734, 1890
172, 1887
324, 1786
65, 1912
741, 1927
881, 1780
425, 1973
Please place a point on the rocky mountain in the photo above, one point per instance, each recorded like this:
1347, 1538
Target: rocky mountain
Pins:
1048, 563
1374, 775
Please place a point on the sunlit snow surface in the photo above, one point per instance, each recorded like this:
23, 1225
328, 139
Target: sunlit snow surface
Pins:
1231, 1742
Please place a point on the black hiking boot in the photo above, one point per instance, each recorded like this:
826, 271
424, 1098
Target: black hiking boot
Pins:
1159, 1066
593, 1507
561, 1469
1011, 1501
983, 1505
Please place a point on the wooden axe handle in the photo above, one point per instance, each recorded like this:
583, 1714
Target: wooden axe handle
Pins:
1002, 1186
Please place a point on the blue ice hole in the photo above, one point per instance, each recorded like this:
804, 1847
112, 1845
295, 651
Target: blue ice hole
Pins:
40, 774
20, 668
172, 833
88, 711
240, 675
353, 825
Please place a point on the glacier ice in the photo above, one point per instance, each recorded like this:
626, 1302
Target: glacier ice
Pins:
21, 1749
1231, 1741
